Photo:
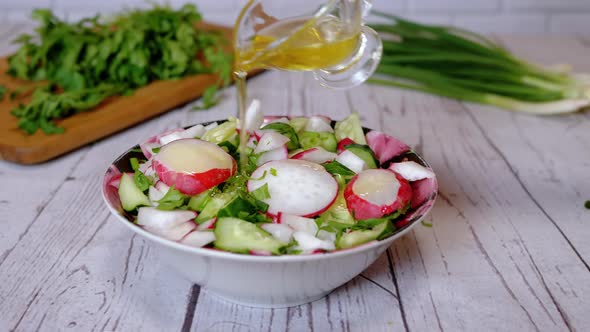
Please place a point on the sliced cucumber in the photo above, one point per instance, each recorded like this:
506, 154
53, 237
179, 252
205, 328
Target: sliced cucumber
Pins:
310, 139
351, 128
355, 238
338, 212
198, 202
131, 197
237, 235
365, 153
298, 124
213, 206
221, 133
285, 130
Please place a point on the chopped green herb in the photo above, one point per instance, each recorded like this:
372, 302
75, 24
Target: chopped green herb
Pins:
261, 193
141, 181
273, 171
245, 208
426, 224
285, 130
260, 177
134, 164
173, 199
156, 150
335, 167
3, 91
87, 61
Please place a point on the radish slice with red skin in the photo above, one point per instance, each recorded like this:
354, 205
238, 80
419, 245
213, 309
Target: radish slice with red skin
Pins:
352, 161
375, 193
275, 119
269, 141
209, 224
343, 143
282, 233
115, 180
384, 146
326, 119
276, 154
411, 170
193, 166
198, 239
297, 187
317, 155
309, 243
254, 117
300, 224
318, 124
423, 190
260, 253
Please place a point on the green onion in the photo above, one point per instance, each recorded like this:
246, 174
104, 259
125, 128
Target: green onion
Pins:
460, 64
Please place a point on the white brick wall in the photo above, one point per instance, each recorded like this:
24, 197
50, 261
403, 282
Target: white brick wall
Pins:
488, 16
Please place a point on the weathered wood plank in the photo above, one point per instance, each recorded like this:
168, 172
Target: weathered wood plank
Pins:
489, 243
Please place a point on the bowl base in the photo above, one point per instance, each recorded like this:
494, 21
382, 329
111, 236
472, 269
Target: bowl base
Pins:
265, 305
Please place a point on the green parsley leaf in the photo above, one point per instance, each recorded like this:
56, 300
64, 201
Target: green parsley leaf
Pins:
273, 171
426, 224
141, 181
3, 91
134, 164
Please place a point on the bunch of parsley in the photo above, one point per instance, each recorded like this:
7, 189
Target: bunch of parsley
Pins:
90, 60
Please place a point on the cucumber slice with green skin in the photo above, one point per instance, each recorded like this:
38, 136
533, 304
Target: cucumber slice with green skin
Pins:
355, 238
130, 196
351, 128
213, 206
285, 130
198, 202
239, 236
365, 153
310, 139
298, 124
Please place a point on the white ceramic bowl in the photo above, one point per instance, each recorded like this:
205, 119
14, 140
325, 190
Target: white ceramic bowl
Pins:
262, 281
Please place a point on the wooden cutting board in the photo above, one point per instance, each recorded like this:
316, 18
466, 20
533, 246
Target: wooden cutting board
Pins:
111, 116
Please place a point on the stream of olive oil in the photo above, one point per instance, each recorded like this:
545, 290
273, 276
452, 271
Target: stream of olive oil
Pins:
302, 46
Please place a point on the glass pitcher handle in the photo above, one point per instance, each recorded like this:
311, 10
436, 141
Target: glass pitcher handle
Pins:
362, 64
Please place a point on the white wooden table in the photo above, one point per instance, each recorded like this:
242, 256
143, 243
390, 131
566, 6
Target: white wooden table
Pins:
509, 248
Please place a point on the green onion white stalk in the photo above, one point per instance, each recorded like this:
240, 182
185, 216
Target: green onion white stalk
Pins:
460, 64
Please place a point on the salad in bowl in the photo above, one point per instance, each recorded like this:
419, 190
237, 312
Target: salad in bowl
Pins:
309, 186
314, 204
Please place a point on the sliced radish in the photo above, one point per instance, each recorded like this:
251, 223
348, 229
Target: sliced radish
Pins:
148, 147
282, 233
352, 161
260, 253
192, 132
296, 187
275, 119
155, 195
276, 154
411, 170
198, 239
300, 224
209, 224
173, 225
309, 243
375, 193
384, 146
318, 124
270, 140
111, 192
326, 119
147, 169
254, 117
423, 190
115, 180
317, 155
193, 166
343, 143
161, 186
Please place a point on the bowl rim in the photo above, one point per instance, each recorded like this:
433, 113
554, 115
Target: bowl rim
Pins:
258, 258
